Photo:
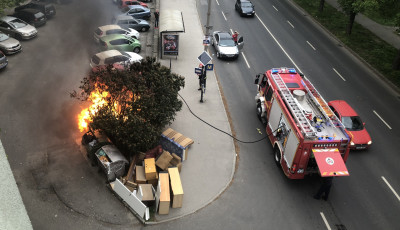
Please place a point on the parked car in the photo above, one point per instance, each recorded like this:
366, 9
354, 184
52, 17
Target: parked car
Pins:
54, 1
114, 29
138, 12
124, 3
3, 61
225, 45
17, 28
127, 21
360, 138
120, 42
9, 45
109, 57
31, 16
47, 8
245, 8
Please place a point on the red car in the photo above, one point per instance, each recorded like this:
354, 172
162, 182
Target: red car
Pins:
124, 3
360, 138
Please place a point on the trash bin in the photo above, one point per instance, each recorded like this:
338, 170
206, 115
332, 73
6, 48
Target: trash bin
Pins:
111, 161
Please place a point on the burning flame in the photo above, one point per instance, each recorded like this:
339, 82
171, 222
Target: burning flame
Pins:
98, 100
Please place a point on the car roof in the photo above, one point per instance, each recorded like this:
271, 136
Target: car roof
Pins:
7, 18
343, 108
30, 10
123, 17
109, 27
137, 6
108, 53
111, 37
224, 34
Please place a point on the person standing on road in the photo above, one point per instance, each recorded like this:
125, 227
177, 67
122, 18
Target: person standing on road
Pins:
235, 37
324, 189
157, 17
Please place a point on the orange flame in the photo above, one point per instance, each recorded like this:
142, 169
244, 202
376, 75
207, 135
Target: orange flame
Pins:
98, 100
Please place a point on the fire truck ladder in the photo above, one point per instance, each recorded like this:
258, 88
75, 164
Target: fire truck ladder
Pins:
320, 102
298, 114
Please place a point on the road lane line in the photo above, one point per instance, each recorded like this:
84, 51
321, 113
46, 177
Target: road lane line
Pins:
245, 59
290, 24
275, 8
326, 222
224, 15
382, 119
339, 74
284, 51
387, 183
311, 45
231, 31
217, 2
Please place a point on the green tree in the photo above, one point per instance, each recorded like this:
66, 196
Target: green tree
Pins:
141, 101
353, 7
8, 3
321, 5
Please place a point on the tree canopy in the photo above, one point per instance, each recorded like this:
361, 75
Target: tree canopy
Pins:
8, 3
353, 7
140, 102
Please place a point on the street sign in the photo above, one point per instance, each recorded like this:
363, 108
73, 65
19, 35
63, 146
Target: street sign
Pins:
206, 40
210, 67
198, 70
204, 58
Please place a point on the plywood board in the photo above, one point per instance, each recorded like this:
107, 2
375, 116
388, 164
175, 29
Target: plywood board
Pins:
150, 168
163, 160
140, 175
176, 187
164, 203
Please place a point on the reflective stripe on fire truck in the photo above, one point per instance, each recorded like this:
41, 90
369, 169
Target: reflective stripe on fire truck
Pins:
330, 162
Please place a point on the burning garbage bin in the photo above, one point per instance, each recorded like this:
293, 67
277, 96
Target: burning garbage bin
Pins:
111, 161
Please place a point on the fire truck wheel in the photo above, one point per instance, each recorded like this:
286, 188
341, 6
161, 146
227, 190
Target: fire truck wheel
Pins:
277, 156
259, 112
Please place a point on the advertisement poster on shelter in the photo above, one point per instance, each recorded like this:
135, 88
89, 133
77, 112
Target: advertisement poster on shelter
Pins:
171, 44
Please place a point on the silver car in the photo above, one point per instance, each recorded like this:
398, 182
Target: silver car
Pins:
3, 60
17, 28
225, 46
9, 45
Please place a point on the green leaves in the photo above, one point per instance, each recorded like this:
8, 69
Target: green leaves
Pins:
142, 101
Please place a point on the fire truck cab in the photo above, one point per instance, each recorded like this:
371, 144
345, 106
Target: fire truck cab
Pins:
306, 136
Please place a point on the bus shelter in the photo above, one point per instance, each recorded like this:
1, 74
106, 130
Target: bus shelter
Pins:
171, 24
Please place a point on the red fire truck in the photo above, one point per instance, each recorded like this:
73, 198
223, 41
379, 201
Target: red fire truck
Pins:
306, 136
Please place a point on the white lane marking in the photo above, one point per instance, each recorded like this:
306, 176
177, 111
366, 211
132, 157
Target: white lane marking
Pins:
395, 193
326, 222
224, 15
245, 59
290, 24
284, 51
231, 31
275, 8
382, 119
310, 45
339, 74
217, 2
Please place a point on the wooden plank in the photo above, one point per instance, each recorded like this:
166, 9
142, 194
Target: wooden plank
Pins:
176, 187
163, 160
163, 206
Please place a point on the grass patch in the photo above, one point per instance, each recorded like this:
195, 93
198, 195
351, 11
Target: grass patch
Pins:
367, 45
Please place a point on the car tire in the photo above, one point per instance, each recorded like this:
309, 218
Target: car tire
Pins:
144, 29
136, 50
18, 37
277, 156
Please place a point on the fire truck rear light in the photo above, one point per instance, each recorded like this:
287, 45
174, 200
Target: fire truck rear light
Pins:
293, 169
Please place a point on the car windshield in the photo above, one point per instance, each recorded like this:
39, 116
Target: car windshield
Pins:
17, 23
226, 42
353, 123
125, 9
3, 37
246, 4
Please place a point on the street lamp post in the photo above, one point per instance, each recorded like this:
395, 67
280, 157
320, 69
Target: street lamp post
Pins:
208, 23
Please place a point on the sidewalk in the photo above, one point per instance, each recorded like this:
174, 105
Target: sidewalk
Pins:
211, 159
386, 33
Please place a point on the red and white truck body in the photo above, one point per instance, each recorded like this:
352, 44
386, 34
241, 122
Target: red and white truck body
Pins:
306, 136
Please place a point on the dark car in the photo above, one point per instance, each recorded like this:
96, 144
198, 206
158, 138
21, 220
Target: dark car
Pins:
245, 8
31, 16
48, 9
54, 1
3, 60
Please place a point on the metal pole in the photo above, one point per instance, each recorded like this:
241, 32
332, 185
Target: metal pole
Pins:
208, 23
